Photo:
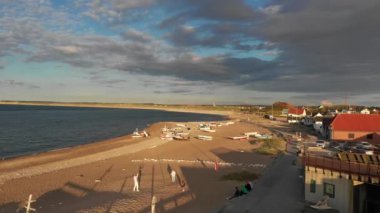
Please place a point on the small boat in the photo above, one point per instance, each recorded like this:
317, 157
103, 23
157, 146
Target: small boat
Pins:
208, 130
204, 137
167, 136
263, 136
136, 134
238, 138
249, 134
181, 137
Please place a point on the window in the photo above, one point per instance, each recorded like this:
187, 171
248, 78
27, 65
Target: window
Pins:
351, 135
370, 136
312, 186
329, 190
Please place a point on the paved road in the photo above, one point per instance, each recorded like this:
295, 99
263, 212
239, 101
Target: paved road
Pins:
280, 189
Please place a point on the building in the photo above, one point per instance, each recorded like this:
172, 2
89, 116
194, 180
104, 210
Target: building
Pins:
351, 181
318, 119
355, 127
365, 111
296, 114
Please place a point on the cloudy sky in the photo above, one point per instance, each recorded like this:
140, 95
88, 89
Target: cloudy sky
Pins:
190, 51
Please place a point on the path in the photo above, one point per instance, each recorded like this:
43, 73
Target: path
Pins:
58, 165
280, 189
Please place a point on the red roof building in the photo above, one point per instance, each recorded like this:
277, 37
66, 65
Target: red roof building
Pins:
356, 127
297, 111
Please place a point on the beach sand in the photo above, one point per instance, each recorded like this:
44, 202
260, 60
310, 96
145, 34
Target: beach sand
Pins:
98, 177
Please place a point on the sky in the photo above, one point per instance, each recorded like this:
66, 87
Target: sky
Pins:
191, 51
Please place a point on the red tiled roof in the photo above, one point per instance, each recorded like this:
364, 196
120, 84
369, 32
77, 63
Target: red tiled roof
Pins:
296, 111
356, 122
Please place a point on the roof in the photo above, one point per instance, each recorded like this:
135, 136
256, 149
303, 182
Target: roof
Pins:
356, 122
296, 110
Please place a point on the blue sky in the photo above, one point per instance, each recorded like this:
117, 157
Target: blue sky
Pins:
188, 51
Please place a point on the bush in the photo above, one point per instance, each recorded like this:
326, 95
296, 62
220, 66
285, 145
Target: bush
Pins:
271, 147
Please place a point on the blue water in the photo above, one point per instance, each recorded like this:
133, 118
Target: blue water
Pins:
32, 129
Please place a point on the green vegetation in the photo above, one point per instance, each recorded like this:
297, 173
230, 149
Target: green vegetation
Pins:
240, 176
271, 147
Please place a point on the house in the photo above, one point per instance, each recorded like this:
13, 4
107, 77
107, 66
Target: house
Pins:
295, 114
352, 186
318, 121
284, 113
365, 111
356, 127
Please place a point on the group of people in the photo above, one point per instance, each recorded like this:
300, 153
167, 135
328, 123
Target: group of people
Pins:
244, 189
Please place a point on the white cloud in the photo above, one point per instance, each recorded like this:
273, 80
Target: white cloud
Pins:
68, 49
271, 10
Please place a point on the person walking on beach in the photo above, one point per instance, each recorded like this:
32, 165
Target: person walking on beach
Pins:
136, 182
174, 175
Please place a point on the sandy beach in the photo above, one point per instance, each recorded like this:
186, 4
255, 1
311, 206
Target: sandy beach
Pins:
98, 177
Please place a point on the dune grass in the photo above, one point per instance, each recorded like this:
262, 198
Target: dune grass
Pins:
272, 146
240, 176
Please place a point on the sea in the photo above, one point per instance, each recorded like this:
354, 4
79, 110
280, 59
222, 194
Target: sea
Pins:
26, 130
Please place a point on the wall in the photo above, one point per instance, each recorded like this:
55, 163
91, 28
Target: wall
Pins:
343, 200
359, 136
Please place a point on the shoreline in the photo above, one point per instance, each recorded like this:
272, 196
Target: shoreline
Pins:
104, 170
225, 114
169, 108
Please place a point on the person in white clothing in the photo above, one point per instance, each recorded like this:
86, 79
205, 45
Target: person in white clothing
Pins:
173, 174
136, 182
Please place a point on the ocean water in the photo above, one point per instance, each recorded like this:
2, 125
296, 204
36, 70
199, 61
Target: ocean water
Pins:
27, 130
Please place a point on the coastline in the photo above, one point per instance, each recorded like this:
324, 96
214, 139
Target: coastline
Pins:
109, 142
51, 175
170, 108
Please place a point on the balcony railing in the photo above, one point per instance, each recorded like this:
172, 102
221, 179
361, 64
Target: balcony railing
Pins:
337, 165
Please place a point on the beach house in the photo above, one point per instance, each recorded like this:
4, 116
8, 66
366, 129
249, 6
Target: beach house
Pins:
296, 114
355, 127
349, 180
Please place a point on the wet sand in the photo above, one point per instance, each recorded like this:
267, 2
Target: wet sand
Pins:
98, 177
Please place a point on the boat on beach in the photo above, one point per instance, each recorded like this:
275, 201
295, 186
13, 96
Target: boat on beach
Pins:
204, 137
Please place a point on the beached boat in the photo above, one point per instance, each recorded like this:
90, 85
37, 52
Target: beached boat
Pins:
136, 134
181, 125
250, 134
238, 138
181, 137
263, 136
167, 136
208, 130
204, 137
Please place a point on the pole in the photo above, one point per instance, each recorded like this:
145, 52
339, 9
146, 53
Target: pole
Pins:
154, 201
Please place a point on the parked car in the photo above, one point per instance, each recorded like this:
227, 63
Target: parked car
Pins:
270, 117
349, 145
322, 143
364, 145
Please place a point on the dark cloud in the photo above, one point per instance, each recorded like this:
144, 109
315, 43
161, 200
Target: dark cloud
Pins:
324, 48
